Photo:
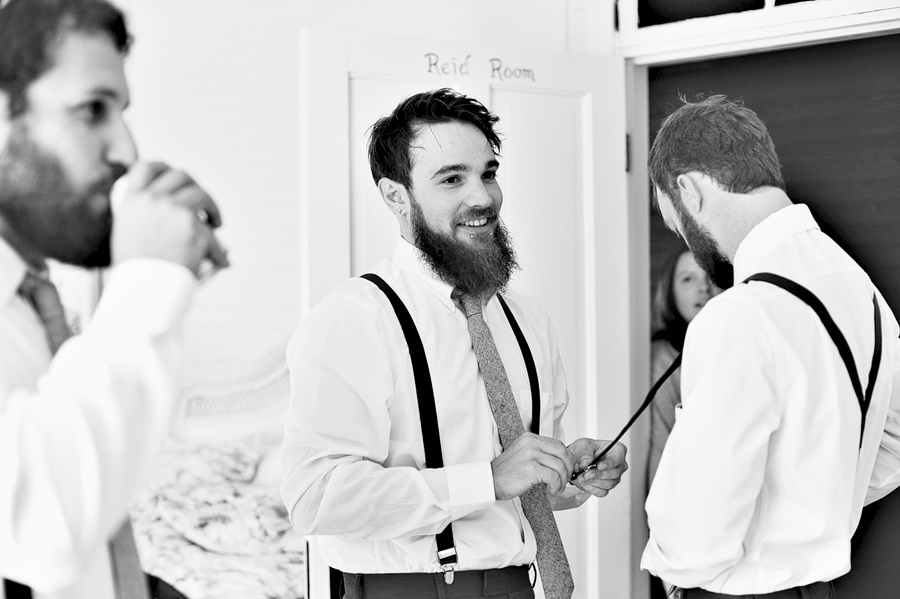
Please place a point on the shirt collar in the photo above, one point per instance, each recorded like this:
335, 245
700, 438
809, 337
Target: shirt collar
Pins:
410, 259
12, 271
773, 230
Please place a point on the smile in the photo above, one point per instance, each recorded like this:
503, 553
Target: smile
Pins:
479, 222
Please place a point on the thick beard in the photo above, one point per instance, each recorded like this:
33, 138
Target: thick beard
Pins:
481, 268
707, 253
41, 207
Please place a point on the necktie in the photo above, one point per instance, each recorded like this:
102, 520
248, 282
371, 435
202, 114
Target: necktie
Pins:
551, 556
128, 578
41, 293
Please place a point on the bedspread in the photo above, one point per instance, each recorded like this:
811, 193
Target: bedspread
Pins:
208, 527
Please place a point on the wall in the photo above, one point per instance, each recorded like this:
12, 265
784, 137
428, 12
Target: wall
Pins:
215, 91
832, 111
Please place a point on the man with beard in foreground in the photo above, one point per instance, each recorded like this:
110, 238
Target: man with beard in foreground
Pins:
408, 457
81, 417
763, 479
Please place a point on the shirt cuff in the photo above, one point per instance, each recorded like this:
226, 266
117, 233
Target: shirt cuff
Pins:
145, 295
471, 488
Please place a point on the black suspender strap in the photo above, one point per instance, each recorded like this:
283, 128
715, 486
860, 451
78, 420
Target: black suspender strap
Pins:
651, 395
14, 590
431, 435
428, 412
529, 366
837, 337
835, 333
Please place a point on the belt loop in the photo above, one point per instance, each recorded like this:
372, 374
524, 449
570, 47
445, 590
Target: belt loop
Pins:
352, 586
804, 592
440, 585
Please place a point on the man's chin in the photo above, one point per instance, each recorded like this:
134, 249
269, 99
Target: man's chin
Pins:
475, 238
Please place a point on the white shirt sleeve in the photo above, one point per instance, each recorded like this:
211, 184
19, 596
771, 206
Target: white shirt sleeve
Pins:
74, 449
886, 474
712, 468
338, 437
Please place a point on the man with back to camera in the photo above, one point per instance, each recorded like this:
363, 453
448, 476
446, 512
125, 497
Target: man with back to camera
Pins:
82, 417
467, 519
763, 479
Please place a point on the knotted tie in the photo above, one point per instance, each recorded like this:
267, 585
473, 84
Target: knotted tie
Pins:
129, 579
41, 293
551, 556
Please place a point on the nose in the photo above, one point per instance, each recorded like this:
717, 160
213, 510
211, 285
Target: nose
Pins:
121, 148
484, 195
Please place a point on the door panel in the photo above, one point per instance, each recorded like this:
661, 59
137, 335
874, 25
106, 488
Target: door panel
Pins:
541, 177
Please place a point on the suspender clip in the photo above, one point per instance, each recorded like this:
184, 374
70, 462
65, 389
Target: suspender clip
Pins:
447, 558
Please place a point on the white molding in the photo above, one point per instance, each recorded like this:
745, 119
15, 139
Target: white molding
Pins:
753, 31
638, 225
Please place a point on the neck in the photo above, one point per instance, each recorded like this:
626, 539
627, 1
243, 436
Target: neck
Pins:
25, 250
746, 211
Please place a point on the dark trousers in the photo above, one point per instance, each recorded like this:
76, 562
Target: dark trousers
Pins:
159, 589
816, 590
875, 554
505, 583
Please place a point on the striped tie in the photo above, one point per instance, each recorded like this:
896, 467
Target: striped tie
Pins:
551, 555
129, 579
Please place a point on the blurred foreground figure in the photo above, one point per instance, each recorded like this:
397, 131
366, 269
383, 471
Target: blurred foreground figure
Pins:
81, 417
764, 476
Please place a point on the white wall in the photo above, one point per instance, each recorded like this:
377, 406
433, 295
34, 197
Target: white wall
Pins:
215, 91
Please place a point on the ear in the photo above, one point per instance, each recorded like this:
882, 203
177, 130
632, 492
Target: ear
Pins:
690, 190
395, 197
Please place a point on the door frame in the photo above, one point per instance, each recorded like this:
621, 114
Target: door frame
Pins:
710, 41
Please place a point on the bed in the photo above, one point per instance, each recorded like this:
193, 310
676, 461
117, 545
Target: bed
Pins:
210, 520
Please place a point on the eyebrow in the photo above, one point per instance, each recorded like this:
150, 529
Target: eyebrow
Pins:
110, 93
462, 168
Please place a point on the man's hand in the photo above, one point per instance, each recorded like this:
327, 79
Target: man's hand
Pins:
166, 215
600, 480
571, 499
531, 460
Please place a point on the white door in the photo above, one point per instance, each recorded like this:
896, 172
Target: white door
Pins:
562, 117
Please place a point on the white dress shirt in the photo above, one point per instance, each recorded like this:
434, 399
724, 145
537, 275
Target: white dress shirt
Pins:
762, 481
78, 431
354, 461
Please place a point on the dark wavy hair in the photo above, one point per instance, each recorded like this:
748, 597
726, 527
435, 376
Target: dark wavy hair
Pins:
720, 138
666, 322
30, 30
391, 136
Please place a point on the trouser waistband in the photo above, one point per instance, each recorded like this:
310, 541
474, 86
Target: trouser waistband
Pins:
816, 590
466, 583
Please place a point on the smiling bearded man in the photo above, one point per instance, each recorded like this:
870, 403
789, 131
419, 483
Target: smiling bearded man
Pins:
392, 446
